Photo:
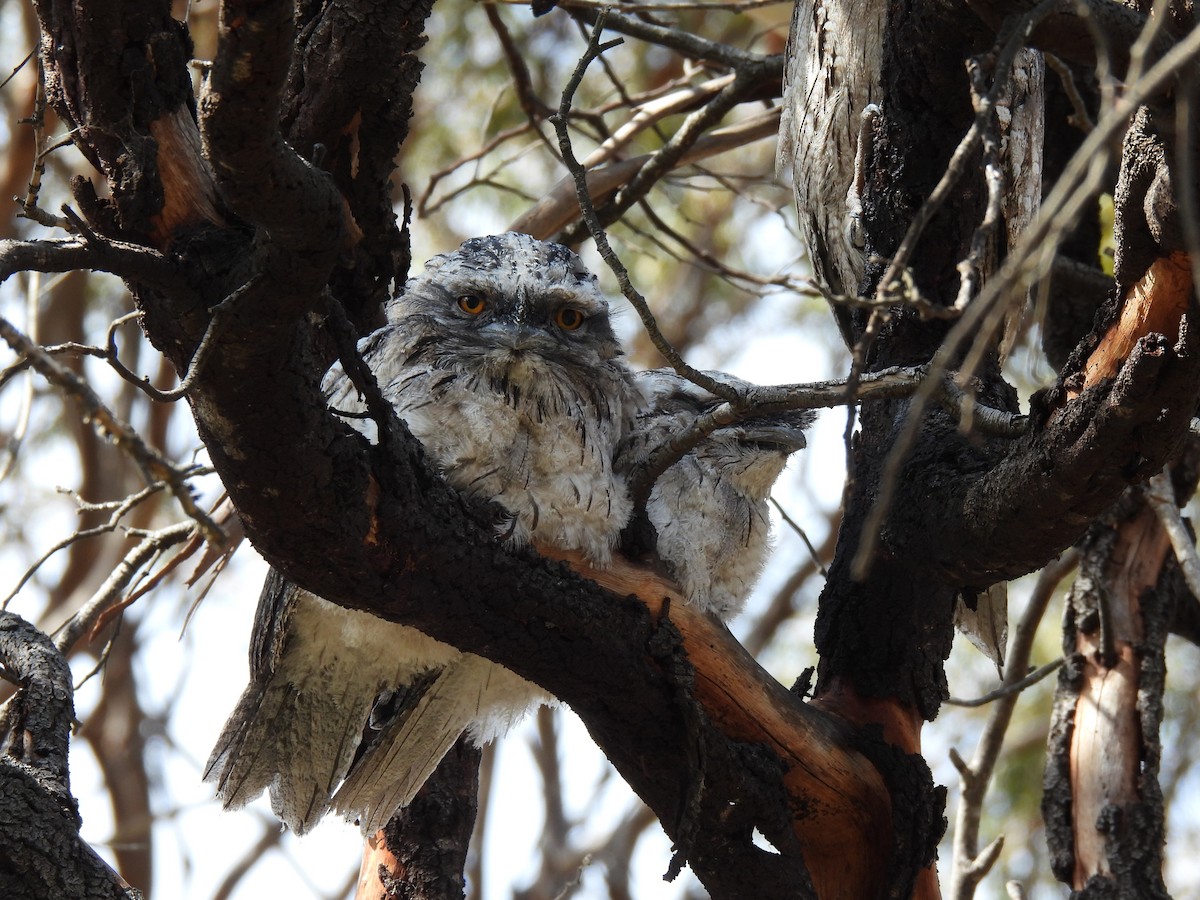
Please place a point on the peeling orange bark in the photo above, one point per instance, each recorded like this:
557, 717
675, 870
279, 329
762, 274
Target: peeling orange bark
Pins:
901, 727
843, 807
1106, 740
189, 192
376, 857
1155, 304
901, 724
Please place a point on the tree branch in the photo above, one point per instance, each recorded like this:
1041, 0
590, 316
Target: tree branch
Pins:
41, 854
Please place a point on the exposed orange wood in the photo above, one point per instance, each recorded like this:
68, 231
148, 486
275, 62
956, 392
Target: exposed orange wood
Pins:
375, 854
1155, 304
189, 192
901, 724
927, 886
1106, 741
189, 189
843, 808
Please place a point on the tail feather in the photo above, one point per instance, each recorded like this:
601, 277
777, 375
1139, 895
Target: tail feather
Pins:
306, 732
299, 724
471, 695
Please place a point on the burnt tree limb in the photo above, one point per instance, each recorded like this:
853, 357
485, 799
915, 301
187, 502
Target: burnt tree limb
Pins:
1103, 806
960, 512
712, 744
421, 853
1070, 31
967, 511
353, 128
41, 853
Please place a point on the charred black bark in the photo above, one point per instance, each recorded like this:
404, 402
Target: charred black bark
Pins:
1133, 832
42, 856
373, 527
353, 127
1078, 286
889, 634
429, 838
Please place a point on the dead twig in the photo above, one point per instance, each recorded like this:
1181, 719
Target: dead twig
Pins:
594, 49
1007, 690
1160, 494
969, 865
107, 599
153, 465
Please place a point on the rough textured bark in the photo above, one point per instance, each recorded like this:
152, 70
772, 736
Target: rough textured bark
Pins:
967, 511
1102, 804
41, 854
372, 527
421, 853
352, 128
1078, 287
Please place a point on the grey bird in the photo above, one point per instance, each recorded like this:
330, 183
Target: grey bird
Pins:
502, 361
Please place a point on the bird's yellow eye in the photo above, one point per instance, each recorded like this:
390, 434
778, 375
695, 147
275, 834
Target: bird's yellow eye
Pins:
472, 304
568, 318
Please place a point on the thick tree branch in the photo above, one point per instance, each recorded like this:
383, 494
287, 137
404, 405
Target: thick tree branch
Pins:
352, 127
41, 854
421, 853
1102, 801
1071, 31
1139, 388
260, 177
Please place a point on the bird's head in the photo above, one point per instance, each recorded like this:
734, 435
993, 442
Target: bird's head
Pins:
522, 318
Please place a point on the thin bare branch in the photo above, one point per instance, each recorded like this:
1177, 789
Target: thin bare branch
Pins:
803, 535
153, 465
899, 381
203, 350
108, 596
975, 778
117, 510
130, 261
1160, 494
594, 49
1007, 690
1080, 117
682, 42
556, 210
653, 111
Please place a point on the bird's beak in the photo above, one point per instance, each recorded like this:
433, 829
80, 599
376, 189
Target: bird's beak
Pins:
514, 336
782, 437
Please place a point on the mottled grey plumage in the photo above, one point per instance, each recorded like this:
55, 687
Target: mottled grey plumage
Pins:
316, 669
709, 509
501, 360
